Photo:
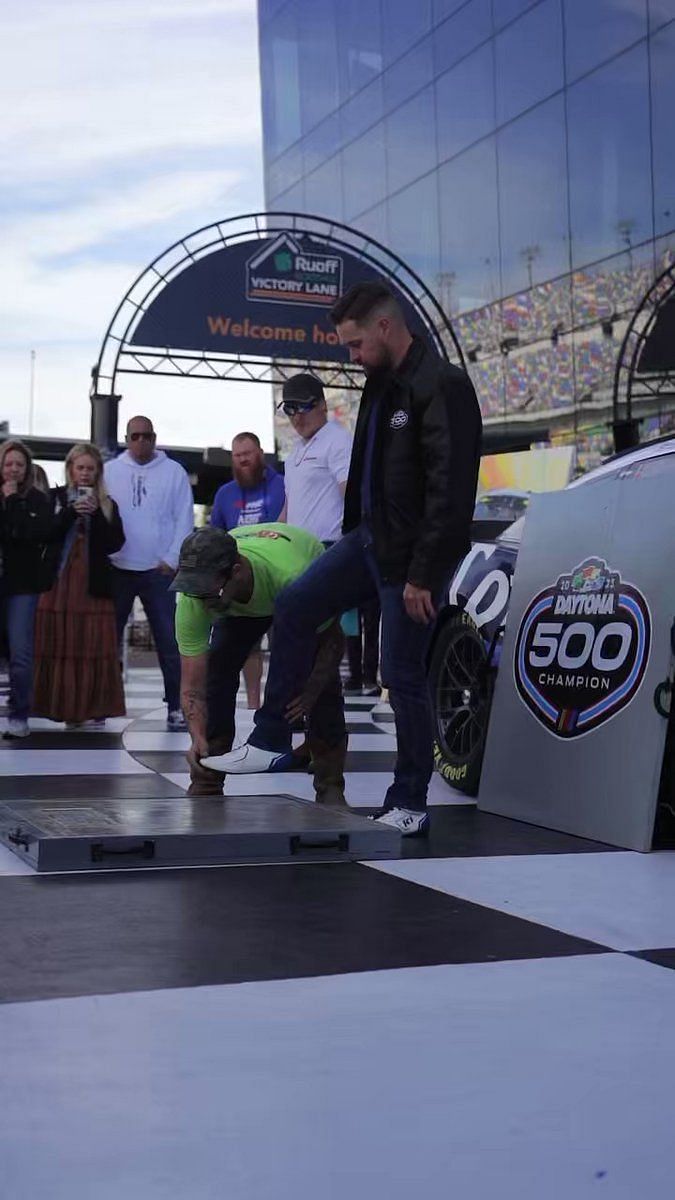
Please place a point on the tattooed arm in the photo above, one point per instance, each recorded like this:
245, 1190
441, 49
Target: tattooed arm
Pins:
193, 699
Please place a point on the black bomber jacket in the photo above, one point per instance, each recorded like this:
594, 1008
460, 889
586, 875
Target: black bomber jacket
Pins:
424, 471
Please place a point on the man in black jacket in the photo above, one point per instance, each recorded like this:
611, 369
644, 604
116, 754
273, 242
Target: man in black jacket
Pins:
408, 509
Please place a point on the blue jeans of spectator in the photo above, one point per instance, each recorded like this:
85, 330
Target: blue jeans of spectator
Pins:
152, 588
18, 619
346, 576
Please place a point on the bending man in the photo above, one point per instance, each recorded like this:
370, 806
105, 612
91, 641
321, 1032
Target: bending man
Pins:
232, 581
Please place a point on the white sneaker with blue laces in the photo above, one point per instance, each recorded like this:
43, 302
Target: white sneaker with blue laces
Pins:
409, 821
246, 760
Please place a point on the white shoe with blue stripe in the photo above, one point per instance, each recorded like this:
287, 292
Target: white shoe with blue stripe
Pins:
248, 760
408, 821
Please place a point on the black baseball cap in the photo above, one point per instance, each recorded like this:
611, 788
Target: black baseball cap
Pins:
205, 556
303, 388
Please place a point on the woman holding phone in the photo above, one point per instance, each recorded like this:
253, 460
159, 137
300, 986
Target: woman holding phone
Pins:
77, 672
25, 526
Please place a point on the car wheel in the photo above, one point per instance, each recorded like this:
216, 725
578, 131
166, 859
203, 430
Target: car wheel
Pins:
461, 694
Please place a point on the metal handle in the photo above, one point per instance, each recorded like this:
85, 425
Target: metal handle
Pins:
19, 838
99, 851
297, 843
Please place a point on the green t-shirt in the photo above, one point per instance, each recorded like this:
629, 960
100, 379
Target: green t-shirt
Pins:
278, 554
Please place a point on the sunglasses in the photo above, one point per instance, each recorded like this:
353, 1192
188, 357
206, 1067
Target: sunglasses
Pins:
137, 437
292, 407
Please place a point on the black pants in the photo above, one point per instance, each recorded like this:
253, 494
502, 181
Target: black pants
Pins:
231, 643
363, 650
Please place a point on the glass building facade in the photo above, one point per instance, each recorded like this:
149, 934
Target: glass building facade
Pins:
519, 156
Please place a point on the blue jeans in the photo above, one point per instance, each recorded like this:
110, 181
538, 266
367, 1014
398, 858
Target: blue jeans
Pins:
346, 576
152, 588
18, 619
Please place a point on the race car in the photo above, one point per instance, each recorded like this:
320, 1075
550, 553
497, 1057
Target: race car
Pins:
464, 657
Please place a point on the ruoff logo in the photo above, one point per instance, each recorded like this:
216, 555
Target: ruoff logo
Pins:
296, 270
399, 419
582, 649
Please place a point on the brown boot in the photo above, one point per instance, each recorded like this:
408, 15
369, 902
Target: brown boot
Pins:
328, 763
204, 781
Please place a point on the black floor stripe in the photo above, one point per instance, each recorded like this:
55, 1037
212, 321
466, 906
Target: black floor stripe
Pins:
128, 932
54, 787
661, 958
173, 761
462, 831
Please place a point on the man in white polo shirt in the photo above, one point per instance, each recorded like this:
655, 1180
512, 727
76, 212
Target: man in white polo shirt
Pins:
318, 464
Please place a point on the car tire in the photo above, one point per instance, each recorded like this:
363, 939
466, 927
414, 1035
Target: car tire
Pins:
461, 685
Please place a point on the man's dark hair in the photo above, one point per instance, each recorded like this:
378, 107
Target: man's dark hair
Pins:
361, 301
252, 437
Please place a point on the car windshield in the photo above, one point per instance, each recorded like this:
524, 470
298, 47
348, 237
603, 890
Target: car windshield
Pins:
514, 532
499, 508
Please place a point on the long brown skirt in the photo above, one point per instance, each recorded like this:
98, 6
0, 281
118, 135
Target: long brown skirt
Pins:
77, 673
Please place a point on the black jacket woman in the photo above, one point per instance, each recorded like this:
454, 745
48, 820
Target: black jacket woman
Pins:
25, 526
77, 672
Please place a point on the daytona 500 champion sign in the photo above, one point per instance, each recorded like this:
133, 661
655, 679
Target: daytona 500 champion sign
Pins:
582, 649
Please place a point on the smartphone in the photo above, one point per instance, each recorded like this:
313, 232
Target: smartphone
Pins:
83, 492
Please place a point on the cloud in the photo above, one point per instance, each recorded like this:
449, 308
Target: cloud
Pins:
125, 126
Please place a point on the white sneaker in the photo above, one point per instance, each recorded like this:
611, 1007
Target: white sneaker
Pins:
246, 760
17, 729
408, 821
175, 722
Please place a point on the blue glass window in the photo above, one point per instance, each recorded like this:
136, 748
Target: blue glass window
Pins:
319, 91
374, 223
441, 9
411, 140
507, 10
362, 111
663, 107
533, 197
529, 60
661, 11
465, 102
459, 35
280, 75
364, 172
404, 22
610, 169
595, 32
286, 170
413, 228
321, 143
469, 229
323, 190
359, 38
409, 75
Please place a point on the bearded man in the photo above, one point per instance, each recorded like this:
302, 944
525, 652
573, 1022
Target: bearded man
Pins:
254, 496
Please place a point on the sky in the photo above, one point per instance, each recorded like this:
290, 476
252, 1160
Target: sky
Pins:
126, 124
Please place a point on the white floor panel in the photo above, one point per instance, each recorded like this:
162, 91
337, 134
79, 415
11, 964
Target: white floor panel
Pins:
505, 1081
145, 740
11, 864
68, 762
42, 725
622, 900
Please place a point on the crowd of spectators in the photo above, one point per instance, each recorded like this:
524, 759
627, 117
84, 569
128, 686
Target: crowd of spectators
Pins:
74, 558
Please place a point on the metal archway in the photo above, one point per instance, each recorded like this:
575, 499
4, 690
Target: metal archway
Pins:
645, 368
119, 356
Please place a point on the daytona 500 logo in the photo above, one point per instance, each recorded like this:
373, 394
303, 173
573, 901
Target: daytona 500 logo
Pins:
582, 649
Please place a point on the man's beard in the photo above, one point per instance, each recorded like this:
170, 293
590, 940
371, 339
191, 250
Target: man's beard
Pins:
382, 368
249, 477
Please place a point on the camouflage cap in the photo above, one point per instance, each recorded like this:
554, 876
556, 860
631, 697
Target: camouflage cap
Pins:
205, 557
